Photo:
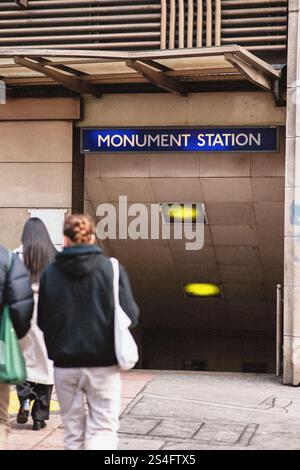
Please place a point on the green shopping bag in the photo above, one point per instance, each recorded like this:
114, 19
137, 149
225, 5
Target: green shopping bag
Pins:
12, 364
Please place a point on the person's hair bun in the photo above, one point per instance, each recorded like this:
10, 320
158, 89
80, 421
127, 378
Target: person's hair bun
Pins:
79, 228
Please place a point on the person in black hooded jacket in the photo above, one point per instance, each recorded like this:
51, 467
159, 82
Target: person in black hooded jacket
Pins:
15, 291
76, 314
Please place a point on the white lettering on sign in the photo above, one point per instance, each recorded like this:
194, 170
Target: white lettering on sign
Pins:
154, 139
146, 140
105, 139
242, 139
207, 139
257, 140
117, 140
225, 140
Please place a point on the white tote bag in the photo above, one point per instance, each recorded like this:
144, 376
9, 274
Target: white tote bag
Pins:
125, 347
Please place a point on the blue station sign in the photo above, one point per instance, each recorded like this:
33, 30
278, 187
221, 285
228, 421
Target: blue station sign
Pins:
231, 139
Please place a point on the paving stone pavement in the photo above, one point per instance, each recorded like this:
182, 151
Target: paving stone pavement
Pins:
176, 410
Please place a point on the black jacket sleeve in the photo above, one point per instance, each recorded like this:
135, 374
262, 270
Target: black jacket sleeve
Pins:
3, 272
127, 301
19, 296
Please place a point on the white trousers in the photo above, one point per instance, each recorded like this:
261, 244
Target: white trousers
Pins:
90, 403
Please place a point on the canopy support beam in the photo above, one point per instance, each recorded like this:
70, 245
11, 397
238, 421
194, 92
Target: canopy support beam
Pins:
158, 78
71, 82
253, 74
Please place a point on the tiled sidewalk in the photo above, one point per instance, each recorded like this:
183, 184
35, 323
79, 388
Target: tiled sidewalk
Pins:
185, 410
21, 437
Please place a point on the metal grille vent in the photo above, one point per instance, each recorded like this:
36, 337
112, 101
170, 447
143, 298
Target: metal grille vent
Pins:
254, 24
81, 24
258, 25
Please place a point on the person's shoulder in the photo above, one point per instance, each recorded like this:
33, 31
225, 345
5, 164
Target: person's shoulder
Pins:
18, 252
50, 269
121, 267
3, 257
122, 270
3, 250
103, 261
103, 266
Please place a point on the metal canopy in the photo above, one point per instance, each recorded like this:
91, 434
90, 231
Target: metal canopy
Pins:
171, 70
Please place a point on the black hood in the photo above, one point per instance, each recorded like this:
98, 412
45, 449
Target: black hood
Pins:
78, 260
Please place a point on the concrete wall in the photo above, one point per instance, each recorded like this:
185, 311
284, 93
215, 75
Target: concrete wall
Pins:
218, 352
292, 204
35, 160
242, 109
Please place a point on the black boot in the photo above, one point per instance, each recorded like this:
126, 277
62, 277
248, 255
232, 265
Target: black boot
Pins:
23, 413
38, 425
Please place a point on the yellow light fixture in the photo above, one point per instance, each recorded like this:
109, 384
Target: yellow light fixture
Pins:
199, 289
182, 212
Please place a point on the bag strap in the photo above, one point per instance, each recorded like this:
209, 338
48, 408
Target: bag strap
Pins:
10, 258
116, 271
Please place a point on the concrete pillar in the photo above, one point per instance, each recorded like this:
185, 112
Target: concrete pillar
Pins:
291, 346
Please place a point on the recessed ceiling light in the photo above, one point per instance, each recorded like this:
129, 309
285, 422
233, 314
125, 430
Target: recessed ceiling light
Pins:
202, 289
185, 212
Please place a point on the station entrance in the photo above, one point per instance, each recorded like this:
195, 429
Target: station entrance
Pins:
243, 197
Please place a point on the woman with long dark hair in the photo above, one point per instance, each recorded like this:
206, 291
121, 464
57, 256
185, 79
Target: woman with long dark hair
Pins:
37, 252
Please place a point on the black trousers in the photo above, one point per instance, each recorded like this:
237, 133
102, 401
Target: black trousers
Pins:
41, 394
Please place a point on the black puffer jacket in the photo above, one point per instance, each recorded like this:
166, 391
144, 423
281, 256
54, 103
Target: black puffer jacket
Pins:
76, 307
15, 290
